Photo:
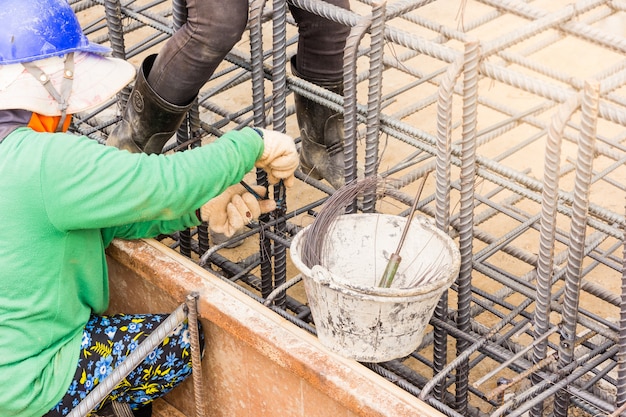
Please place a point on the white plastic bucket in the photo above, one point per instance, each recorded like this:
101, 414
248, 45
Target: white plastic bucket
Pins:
353, 316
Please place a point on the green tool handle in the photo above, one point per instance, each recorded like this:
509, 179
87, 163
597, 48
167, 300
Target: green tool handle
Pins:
395, 258
390, 270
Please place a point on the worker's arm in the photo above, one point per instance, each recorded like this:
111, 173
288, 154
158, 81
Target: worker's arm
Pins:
87, 185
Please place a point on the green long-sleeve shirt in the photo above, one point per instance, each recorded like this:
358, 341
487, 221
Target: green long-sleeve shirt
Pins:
63, 199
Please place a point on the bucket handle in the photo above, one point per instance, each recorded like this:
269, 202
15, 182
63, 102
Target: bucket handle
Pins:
321, 274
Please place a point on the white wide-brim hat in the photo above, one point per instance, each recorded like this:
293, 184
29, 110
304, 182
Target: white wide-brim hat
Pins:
96, 79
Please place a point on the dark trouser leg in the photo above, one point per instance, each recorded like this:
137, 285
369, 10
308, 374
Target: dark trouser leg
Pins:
320, 44
168, 83
189, 58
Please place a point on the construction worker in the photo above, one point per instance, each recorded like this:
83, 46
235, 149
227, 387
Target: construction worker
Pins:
168, 83
65, 197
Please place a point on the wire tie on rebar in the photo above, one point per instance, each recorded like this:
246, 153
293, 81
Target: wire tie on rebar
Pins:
515, 357
282, 288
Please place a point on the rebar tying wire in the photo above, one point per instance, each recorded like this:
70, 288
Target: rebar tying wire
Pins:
281, 289
508, 362
546, 387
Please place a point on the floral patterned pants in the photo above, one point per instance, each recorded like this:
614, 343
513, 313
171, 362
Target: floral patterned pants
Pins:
107, 341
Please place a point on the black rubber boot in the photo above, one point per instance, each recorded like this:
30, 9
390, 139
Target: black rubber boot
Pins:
148, 121
321, 131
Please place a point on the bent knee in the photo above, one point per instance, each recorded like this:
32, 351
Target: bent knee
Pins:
220, 31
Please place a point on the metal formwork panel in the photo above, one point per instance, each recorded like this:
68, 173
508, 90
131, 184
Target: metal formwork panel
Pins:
517, 108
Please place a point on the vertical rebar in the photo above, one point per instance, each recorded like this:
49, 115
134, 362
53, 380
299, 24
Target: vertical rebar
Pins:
466, 214
183, 134
442, 206
279, 112
259, 118
279, 65
256, 59
258, 105
350, 102
194, 122
196, 354
113, 14
620, 399
547, 231
573, 276
179, 13
372, 128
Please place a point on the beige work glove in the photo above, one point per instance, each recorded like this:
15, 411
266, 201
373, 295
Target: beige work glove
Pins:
234, 208
280, 157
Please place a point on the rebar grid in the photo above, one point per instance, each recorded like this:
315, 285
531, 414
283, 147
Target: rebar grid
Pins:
518, 106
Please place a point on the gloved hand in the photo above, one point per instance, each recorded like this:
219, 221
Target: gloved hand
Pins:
280, 157
234, 208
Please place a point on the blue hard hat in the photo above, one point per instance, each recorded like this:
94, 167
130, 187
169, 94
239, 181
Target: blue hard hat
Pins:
38, 29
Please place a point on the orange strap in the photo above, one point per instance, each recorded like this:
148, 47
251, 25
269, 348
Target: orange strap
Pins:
41, 123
